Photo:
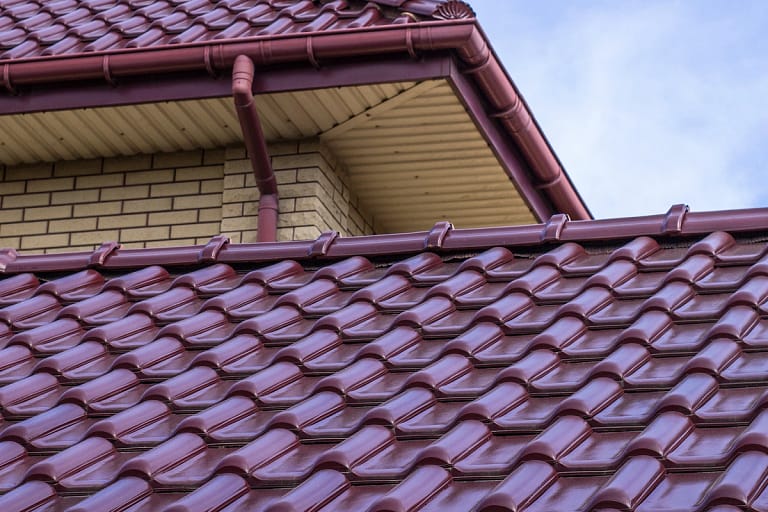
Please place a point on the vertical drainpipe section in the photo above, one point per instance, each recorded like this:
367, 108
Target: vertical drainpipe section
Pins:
253, 135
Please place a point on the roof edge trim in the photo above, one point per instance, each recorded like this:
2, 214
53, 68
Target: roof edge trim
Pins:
442, 238
504, 102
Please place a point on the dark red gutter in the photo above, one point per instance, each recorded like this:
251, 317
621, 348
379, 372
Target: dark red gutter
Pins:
253, 136
463, 36
676, 223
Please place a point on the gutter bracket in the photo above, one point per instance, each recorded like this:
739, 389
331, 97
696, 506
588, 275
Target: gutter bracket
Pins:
7, 80
311, 53
107, 70
210, 66
554, 227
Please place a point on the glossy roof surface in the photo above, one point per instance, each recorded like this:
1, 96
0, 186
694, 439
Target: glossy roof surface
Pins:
35, 28
623, 375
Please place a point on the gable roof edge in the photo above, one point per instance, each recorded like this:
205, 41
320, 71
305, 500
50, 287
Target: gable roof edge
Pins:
464, 36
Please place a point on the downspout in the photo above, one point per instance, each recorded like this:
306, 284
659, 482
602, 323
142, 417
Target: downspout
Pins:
253, 135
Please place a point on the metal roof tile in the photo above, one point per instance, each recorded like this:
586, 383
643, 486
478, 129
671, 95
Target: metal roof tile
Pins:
604, 377
84, 361
16, 362
52, 337
33, 29
17, 288
29, 496
109, 393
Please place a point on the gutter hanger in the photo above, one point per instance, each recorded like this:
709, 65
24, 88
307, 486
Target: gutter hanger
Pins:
463, 36
253, 136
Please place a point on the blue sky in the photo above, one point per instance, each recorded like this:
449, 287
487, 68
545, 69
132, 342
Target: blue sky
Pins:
647, 103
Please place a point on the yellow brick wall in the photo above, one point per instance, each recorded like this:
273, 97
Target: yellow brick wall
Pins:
172, 199
141, 201
313, 189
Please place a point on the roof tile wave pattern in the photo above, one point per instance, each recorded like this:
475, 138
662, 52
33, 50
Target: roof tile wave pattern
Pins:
40, 28
628, 378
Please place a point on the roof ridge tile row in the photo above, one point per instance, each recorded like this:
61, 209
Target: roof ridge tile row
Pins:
443, 238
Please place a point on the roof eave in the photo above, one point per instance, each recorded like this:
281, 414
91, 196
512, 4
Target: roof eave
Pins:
503, 102
442, 238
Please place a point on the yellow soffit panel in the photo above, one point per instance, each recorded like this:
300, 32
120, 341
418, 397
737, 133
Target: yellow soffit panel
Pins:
418, 158
412, 153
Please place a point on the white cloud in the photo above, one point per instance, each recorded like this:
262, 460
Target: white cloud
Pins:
646, 104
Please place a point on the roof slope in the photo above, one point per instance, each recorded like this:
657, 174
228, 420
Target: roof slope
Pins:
536, 376
65, 27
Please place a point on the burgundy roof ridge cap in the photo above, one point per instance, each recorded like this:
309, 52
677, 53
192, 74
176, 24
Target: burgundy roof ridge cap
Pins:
331, 245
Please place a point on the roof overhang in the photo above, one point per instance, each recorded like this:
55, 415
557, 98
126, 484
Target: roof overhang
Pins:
455, 50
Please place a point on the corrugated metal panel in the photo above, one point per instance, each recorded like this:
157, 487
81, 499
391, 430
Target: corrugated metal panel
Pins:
421, 159
178, 126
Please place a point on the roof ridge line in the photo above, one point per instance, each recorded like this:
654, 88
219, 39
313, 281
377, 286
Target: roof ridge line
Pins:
443, 237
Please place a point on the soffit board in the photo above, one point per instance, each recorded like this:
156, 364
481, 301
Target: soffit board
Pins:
427, 152
412, 152
178, 125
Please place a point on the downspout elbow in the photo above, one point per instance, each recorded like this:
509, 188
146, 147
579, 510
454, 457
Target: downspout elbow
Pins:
253, 136
242, 82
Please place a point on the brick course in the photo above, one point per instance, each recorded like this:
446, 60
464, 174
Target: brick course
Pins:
173, 199
79, 204
314, 194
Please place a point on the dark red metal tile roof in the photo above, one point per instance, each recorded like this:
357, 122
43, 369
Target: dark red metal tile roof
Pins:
65, 27
618, 365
